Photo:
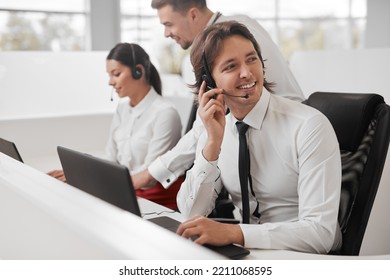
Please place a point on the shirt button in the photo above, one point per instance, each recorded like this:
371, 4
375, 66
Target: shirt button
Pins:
168, 180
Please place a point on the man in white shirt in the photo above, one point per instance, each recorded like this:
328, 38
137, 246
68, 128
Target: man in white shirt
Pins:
295, 166
183, 20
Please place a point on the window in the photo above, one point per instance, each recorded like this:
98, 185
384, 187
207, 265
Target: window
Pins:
61, 25
293, 24
141, 25
43, 25
305, 24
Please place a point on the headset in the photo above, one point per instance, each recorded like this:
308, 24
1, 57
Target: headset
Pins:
210, 83
136, 71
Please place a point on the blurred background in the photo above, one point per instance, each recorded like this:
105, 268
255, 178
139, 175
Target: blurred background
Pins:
89, 25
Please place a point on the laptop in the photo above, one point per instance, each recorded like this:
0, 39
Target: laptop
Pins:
112, 183
9, 148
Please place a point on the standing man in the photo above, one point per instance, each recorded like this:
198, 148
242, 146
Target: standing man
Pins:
183, 20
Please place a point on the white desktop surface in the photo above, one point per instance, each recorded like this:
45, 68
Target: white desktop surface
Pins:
255, 254
43, 218
149, 210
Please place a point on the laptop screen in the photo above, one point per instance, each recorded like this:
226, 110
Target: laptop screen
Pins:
101, 178
9, 148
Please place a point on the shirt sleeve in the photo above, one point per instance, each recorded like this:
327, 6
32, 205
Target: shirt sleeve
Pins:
169, 166
200, 189
166, 133
319, 186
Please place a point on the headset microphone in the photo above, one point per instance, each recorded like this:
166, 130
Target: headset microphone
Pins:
246, 96
112, 98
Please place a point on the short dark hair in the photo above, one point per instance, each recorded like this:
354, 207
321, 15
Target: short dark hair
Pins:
126, 53
208, 44
179, 5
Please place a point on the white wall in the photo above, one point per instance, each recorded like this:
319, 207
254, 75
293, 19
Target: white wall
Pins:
37, 138
378, 24
361, 71
49, 99
46, 84
39, 84
345, 71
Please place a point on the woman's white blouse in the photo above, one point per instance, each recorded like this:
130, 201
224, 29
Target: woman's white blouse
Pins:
140, 134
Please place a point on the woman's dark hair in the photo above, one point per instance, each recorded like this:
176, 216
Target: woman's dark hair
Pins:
131, 55
208, 45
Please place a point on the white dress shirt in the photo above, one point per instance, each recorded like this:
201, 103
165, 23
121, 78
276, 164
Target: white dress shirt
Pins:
295, 167
167, 168
140, 134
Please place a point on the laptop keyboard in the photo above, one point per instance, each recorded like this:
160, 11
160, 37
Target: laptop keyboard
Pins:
166, 222
230, 251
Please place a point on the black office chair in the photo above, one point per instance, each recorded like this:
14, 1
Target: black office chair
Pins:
362, 126
192, 116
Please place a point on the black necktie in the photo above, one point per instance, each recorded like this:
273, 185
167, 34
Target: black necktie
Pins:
243, 167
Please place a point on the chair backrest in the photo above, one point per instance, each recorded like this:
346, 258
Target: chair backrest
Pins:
192, 117
362, 125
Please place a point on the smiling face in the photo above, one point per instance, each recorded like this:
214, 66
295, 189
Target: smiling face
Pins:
181, 27
120, 78
238, 70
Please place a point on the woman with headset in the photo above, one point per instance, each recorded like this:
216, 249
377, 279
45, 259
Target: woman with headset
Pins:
144, 125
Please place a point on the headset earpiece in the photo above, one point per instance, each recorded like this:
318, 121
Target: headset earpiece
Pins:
207, 75
209, 82
136, 71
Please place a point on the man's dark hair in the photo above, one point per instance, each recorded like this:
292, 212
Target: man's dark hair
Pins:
181, 6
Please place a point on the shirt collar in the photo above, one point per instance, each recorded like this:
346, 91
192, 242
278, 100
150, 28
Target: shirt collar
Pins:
145, 103
256, 116
214, 18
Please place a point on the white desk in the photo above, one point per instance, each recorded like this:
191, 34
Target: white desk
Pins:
43, 218
149, 209
154, 209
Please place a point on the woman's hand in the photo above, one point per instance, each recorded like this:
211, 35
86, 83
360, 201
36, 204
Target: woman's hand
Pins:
212, 113
58, 174
211, 232
143, 180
